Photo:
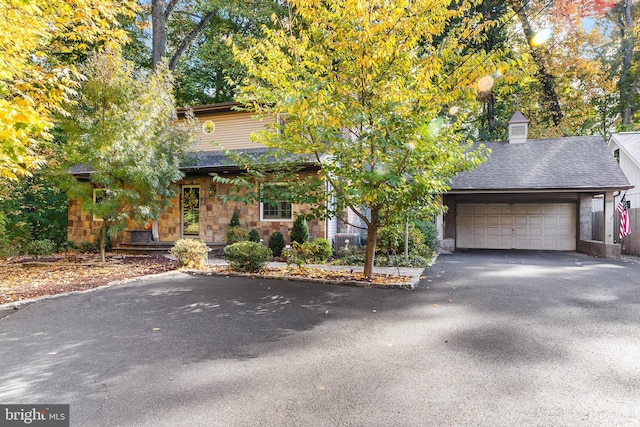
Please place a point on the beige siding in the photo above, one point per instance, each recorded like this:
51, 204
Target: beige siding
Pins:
233, 131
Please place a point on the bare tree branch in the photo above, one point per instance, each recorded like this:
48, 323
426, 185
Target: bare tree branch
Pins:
186, 41
170, 6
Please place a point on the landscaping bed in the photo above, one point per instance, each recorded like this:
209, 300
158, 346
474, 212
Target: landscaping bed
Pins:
26, 278
346, 277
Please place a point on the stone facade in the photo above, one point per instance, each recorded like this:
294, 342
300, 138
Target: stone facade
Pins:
215, 216
81, 225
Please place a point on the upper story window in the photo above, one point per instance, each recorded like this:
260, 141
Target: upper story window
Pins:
616, 154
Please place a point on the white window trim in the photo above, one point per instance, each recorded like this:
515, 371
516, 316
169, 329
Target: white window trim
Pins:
263, 219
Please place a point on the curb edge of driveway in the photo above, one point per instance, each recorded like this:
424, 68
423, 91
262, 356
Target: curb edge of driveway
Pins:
26, 302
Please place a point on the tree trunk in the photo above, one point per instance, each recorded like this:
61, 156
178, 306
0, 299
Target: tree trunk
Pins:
160, 13
544, 77
159, 32
370, 254
103, 240
628, 88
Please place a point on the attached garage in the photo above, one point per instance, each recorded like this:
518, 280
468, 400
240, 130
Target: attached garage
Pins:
536, 226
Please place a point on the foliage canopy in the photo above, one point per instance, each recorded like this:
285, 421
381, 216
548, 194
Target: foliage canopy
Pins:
124, 130
370, 90
39, 42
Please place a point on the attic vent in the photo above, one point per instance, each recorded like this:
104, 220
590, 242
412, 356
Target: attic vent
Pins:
519, 131
518, 128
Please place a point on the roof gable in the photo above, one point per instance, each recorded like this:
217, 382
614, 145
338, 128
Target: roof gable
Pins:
629, 143
571, 163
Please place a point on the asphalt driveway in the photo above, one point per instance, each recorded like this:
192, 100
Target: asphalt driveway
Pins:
487, 339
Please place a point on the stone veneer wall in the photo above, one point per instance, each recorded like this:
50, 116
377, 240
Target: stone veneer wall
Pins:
81, 226
215, 216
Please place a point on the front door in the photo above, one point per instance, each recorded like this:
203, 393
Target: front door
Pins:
190, 210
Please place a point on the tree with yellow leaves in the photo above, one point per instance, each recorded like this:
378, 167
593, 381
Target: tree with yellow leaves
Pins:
38, 40
374, 92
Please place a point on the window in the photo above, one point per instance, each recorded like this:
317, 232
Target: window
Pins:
272, 207
99, 196
275, 211
616, 154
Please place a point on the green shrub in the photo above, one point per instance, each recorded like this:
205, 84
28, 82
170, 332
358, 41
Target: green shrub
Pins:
354, 256
236, 234
235, 220
254, 236
70, 245
401, 261
321, 250
38, 248
391, 240
300, 230
87, 247
430, 232
276, 243
5, 243
317, 251
190, 253
247, 256
14, 236
291, 255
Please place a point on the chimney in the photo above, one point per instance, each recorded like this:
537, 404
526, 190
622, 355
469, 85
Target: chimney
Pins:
518, 128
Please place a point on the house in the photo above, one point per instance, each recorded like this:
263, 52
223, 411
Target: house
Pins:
625, 147
529, 194
535, 194
198, 211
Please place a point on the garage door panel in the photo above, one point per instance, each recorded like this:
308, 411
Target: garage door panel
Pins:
545, 226
479, 220
521, 220
493, 220
505, 209
535, 231
535, 243
506, 220
521, 231
492, 241
535, 220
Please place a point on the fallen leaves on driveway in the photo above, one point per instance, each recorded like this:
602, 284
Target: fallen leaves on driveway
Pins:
25, 279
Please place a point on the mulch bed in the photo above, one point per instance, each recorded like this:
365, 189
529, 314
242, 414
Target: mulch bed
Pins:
26, 278
318, 275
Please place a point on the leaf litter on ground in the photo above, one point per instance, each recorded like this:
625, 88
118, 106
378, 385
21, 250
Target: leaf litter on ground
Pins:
26, 278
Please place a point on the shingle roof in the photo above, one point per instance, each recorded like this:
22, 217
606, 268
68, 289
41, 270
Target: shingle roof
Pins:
208, 161
571, 163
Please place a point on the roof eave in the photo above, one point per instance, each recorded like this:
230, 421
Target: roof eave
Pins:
537, 190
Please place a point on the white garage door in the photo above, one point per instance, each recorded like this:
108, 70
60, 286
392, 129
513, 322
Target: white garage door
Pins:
542, 226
